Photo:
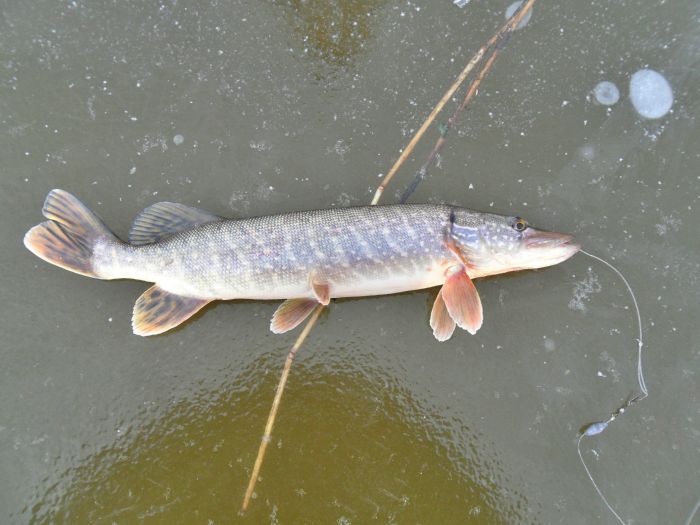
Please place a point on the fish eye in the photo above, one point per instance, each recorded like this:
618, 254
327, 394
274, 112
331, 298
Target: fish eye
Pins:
519, 224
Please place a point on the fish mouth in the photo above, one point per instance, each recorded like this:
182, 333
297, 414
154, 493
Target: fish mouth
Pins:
551, 247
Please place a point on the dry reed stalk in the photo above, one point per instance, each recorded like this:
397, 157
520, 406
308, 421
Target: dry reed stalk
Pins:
267, 436
471, 91
507, 28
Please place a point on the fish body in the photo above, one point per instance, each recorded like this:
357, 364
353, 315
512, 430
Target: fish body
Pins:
305, 258
370, 250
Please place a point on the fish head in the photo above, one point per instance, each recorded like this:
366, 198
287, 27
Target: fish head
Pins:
493, 244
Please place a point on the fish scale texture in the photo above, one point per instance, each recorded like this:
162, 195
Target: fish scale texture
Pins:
357, 251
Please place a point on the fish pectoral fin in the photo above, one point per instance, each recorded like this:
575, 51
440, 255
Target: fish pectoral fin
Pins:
290, 314
321, 290
157, 311
462, 300
464, 254
440, 321
164, 219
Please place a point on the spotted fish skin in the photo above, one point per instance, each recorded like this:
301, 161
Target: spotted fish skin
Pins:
369, 250
306, 258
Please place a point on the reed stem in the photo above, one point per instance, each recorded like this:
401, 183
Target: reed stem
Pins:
508, 27
442, 139
267, 436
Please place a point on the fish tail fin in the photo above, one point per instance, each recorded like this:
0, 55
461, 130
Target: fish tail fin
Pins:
68, 238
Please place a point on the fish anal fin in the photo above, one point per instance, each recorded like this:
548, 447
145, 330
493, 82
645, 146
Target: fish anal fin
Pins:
462, 300
440, 321
157, 311
321, 289
163, 219
290, 314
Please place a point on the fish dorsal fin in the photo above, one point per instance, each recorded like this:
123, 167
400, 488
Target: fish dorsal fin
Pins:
462, 300
163, 219
157, 311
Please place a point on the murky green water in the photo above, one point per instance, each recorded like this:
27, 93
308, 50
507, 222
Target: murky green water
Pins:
302, 104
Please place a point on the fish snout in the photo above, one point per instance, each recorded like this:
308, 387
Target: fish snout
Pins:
544, 239
551, 246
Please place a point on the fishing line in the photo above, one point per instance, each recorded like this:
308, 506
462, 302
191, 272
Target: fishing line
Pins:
598, 427
692, 512
640, 337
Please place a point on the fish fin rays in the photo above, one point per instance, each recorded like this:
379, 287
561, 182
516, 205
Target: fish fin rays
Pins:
157, 311
163, 219
69, 237
321, 290
440, 321
464, 254
290, 314
462, 301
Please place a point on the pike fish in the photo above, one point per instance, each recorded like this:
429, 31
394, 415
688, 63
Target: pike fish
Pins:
305, 258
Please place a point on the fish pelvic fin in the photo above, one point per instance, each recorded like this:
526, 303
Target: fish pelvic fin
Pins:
157, 311
163, 219
69, 237
290, 314
320, 289
440, 321
462, 300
